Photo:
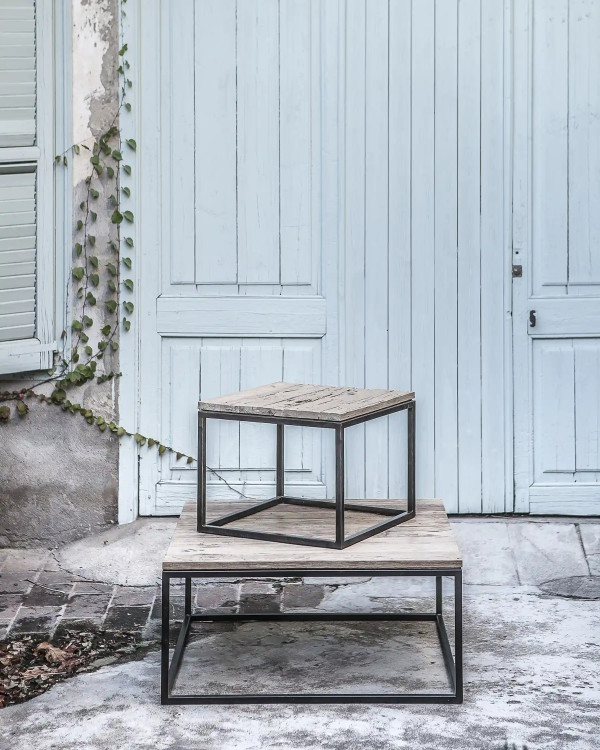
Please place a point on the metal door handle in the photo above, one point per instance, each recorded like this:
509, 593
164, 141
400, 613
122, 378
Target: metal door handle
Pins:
532, 319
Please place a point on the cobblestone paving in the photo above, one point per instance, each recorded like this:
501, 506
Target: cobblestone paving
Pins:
38, 597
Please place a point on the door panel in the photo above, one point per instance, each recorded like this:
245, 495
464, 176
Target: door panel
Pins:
557, 359
322, 195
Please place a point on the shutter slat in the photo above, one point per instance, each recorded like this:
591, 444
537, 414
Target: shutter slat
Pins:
10, 206
17, 282
17, 243
16, 269
26, 230
17, 218
25, 255
17, 295
17, 56
10, 307
16, 326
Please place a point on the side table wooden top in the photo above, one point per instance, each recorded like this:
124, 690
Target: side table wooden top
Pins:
424, 542
316, 402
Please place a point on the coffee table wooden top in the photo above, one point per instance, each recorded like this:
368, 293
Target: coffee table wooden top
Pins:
315, 402
425, 541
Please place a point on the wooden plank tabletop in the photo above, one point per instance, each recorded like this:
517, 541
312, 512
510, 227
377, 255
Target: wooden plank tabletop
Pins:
425, 541
294, 400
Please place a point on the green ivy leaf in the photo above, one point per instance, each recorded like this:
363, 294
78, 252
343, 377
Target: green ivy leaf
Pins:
22, 408
111, 305
82, 205
88, 321
84, 338
5, 410
112, 200
92, 239
117, 156
94, 215
190, 460
78, 273
93, 259
128, 284
105, 330
161, 449
89, 351
120, 431
110, 171
80, 293
58, 395
112, 269
91, 300
78, 248
127, 262
128, 215
128, 106
128, 307
132, 144
116, 217
94, 193
126, 324
79, 225
127, 191
139, 439
98, 169
77, 326
95, 160
102, 345
127, 168
111, 285
94, 279
114, 346
123, 50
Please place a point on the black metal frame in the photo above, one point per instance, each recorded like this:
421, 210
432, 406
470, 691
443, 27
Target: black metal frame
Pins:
219, 525
453, 663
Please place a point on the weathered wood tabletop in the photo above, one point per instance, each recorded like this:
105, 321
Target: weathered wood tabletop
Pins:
318, 402
425, 541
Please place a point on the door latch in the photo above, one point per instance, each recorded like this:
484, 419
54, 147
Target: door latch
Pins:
517, 272
532, 319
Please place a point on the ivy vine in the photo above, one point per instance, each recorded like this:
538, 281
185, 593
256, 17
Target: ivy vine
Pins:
108, 161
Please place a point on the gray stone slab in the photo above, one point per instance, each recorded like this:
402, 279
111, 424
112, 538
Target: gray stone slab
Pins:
546, 551
319, 657
91, 607
39, 620
487, 552
129, 555
576, 587
128, 596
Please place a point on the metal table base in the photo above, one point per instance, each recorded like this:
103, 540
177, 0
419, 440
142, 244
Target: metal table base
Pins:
452, 661
339, 506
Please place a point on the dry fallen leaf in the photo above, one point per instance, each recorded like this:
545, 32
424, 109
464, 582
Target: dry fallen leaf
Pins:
52, 654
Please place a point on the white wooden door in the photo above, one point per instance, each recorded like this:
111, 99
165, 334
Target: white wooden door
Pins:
322, 195
557, 242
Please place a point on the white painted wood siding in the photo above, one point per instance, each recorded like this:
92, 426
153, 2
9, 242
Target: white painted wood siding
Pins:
347, 157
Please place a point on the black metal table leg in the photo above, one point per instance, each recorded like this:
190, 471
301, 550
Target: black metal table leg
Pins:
453, 663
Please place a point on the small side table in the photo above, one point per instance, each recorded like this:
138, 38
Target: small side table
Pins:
320, 406
423, 547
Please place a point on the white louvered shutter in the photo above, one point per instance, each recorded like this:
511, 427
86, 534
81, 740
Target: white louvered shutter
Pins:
17, 252
24, 181
17, 73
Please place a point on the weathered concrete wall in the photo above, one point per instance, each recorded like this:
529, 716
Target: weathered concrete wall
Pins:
58, 475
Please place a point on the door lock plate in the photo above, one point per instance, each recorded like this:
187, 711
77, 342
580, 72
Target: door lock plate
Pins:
517, 272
